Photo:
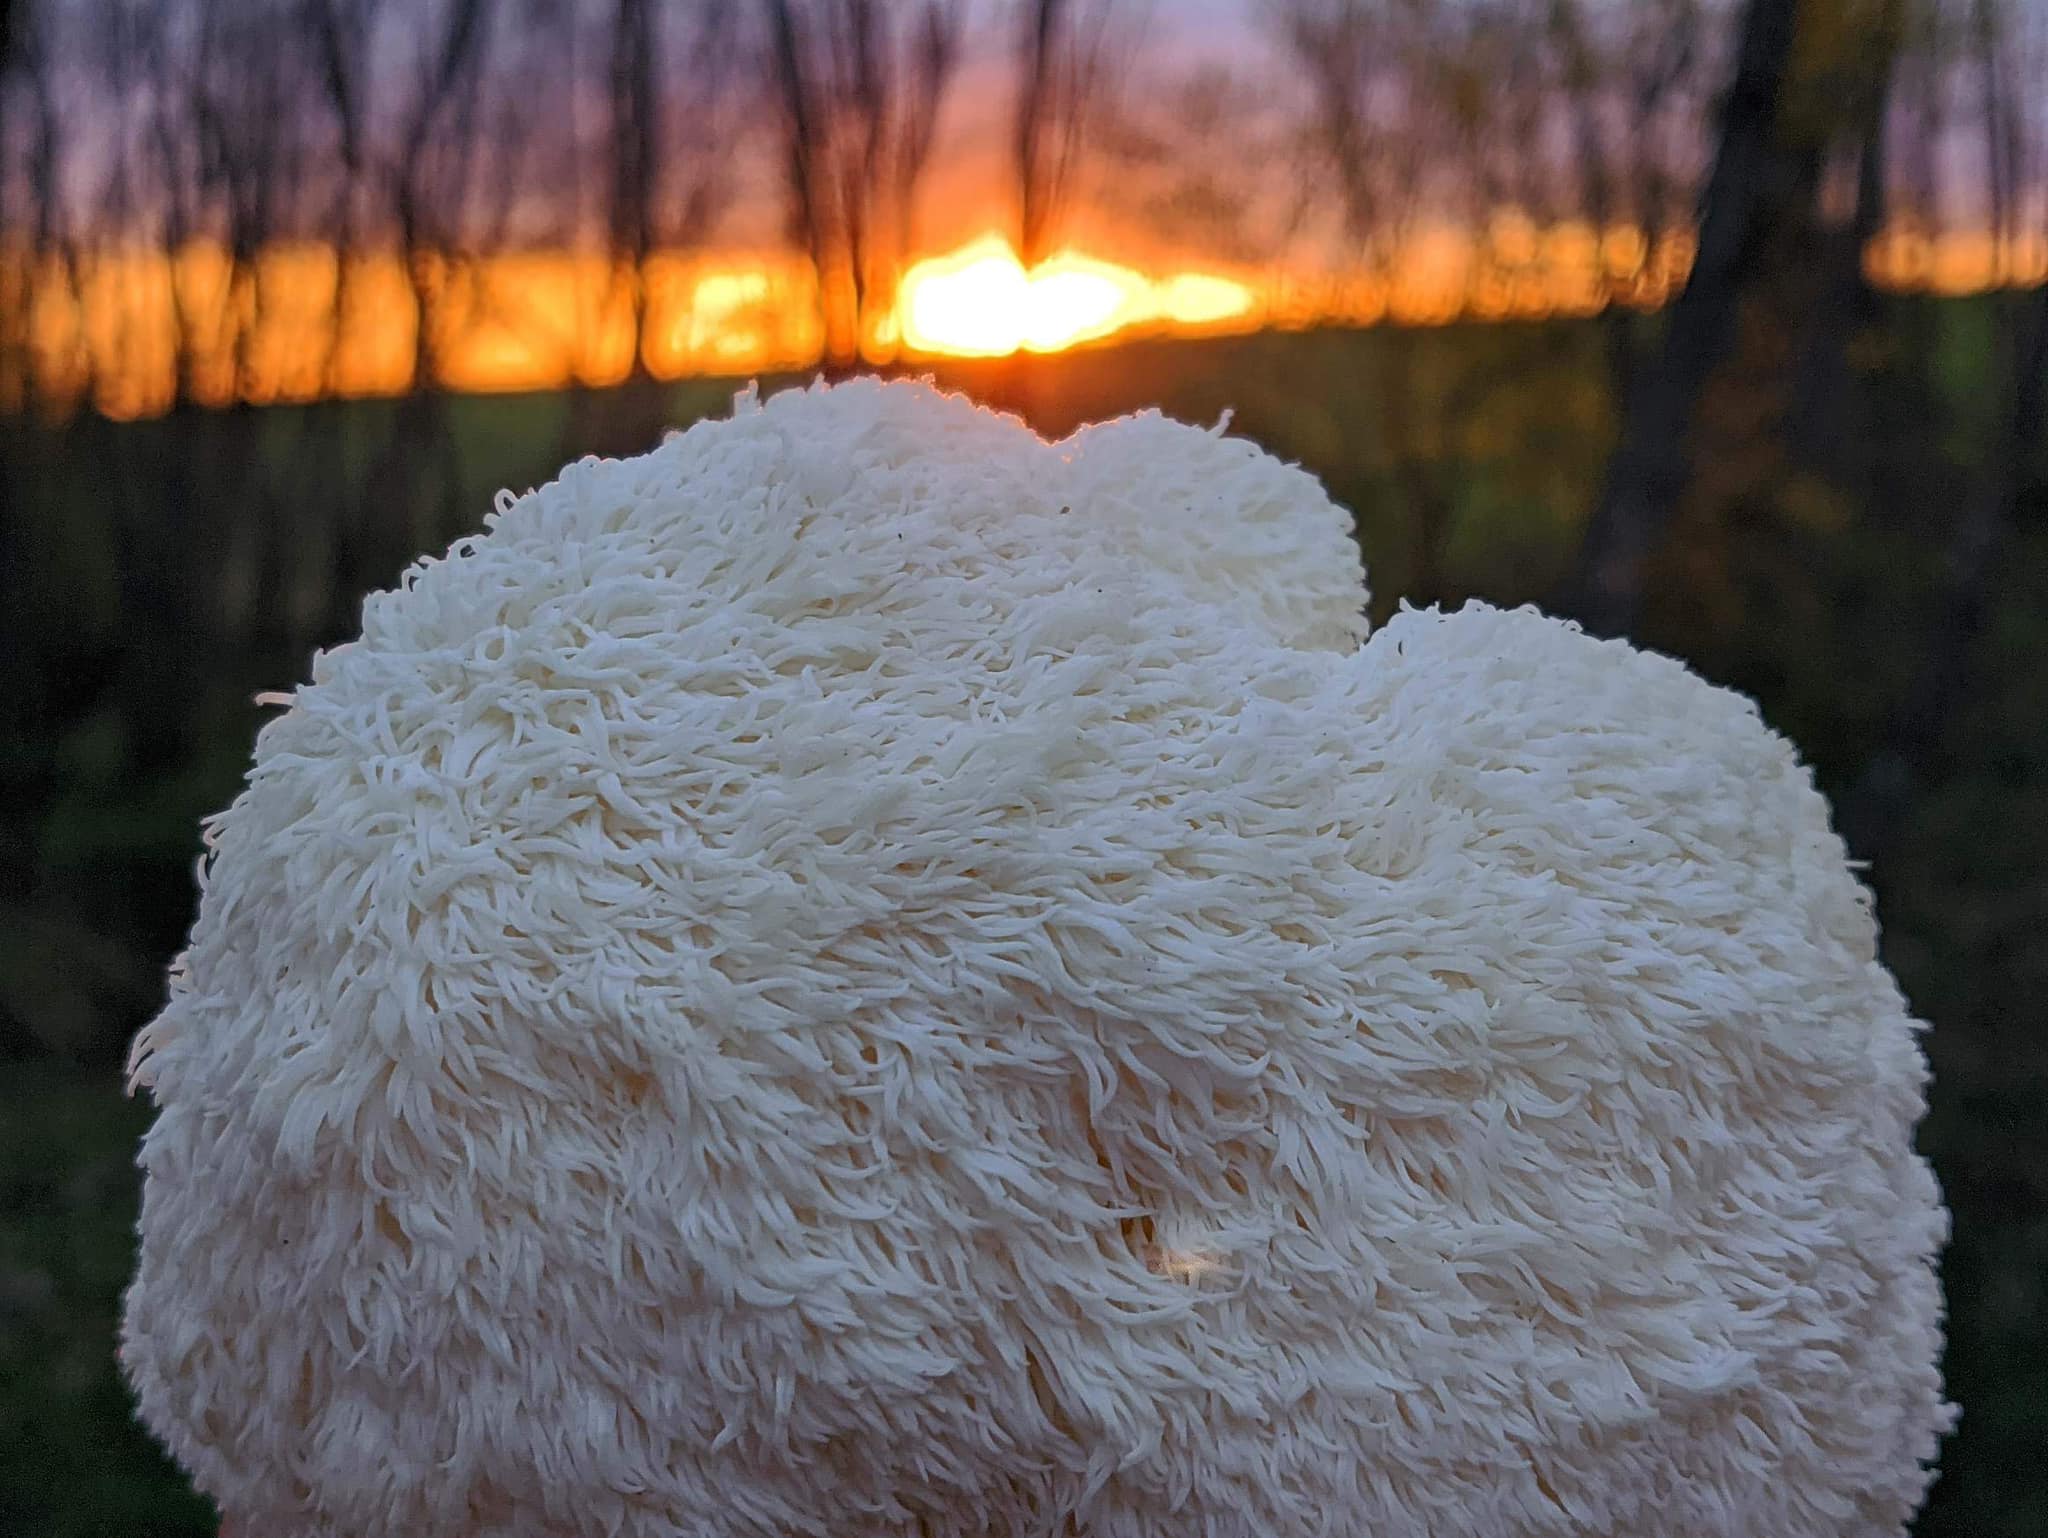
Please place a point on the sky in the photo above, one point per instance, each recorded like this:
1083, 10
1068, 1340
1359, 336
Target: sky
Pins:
1175, 39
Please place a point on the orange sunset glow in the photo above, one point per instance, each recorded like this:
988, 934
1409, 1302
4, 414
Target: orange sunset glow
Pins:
980, 301
296, 324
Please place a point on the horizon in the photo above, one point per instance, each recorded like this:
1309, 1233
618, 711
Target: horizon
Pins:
551, 319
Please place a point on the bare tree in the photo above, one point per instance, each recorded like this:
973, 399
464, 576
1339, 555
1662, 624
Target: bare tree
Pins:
856, 87
1427, 112
1992, 57
1399, 120
634, 125
666, 134
1616, 76
1981, 531
1648, 473
429, 177
244, 112
1820, 430
1067, 52
30, 104
15, 277
16, 271
1206, 157
409, 185
434, 153
342, 33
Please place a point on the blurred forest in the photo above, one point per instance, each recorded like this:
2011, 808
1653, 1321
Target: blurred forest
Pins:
1805, 460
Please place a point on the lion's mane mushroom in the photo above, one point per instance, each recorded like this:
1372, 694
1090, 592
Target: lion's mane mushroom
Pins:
862, 973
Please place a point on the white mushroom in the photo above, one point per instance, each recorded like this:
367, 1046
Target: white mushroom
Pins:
862, 973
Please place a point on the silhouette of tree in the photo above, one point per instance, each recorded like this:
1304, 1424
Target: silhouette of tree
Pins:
668, 175
855, 87
1745, 193
1616, 77
1067, 53
1416, 119
435, 153
15, 276
1974, 538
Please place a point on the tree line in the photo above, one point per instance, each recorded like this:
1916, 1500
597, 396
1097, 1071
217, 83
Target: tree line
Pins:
438, 133
443, 132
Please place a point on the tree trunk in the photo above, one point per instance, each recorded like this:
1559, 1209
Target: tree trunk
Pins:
1650, 468
1822, 392
1874, 811
1034, 111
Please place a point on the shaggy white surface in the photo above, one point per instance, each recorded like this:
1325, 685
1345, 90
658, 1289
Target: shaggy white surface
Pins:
861, 973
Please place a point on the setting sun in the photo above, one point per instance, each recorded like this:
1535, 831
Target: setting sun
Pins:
981, 301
